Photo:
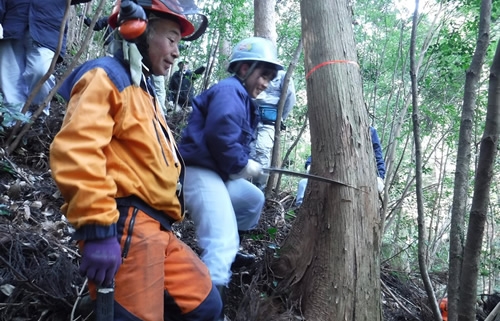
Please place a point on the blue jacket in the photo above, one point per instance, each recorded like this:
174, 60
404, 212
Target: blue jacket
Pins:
377, 150
220, 129
308, 162
41, 18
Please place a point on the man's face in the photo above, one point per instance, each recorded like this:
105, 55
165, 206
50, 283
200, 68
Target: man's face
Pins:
258, 80
163, 45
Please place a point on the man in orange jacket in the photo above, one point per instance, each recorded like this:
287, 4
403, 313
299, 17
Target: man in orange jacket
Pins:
120, 173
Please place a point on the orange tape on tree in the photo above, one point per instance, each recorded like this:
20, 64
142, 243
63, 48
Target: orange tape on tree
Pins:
330, 62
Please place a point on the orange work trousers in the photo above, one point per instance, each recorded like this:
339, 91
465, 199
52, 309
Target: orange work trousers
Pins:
160, 278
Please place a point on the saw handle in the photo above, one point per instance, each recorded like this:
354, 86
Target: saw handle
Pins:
105, 305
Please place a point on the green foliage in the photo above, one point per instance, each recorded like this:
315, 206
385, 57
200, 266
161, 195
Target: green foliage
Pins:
10, 115
290, 215
454, 52
272, 232
257, 237
6, 167
426, 170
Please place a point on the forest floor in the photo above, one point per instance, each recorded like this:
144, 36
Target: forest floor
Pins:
39, 277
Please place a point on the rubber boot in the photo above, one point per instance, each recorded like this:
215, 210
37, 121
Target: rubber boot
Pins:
242, 259
222, 291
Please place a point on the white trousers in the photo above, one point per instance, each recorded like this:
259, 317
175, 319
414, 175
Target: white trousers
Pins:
219, 210
22, 63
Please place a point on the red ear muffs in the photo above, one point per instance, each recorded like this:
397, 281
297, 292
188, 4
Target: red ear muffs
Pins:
130, 19
132, 29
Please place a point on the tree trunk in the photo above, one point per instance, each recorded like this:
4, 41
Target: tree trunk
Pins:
422, 244
265, 26
275, 157
264, 19
481, 197
463, 161
330, 259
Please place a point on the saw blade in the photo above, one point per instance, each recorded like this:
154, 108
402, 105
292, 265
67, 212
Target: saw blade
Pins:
305, 175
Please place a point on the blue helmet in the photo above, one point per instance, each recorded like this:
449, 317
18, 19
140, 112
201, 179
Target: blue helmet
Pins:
254, 49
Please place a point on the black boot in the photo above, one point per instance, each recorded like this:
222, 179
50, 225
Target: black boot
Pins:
222, 292
242, 260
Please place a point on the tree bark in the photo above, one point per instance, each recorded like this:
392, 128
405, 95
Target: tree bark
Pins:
330, 259
481, 197
463, 161
264, 19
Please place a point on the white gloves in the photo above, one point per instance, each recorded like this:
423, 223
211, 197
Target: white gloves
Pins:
1, 31
380, 184
308, 168
252, 169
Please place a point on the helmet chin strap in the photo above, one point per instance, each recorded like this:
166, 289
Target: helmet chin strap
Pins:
248, 73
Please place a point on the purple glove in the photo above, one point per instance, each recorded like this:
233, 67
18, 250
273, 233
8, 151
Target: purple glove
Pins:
101, 260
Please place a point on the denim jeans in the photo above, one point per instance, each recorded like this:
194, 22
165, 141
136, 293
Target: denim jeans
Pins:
23, 63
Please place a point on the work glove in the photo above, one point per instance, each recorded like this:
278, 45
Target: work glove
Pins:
308, 168
1, 31
200, 70
87, 21
380, 184
252, 169
101, 260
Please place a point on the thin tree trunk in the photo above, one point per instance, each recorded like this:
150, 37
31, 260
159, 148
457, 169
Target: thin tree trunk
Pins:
481, 197
211, 61
275, 157
463, 162
264, 19
422, 248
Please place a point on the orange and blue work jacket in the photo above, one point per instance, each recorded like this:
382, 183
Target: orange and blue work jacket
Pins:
114, 143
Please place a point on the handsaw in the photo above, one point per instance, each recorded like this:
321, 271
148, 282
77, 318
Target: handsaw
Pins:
305, 175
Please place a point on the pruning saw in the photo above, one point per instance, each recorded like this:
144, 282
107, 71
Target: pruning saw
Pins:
305, 175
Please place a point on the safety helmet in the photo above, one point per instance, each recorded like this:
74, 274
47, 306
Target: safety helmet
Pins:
254, 49
131, 19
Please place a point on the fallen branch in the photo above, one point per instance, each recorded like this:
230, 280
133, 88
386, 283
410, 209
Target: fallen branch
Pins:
397, 300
